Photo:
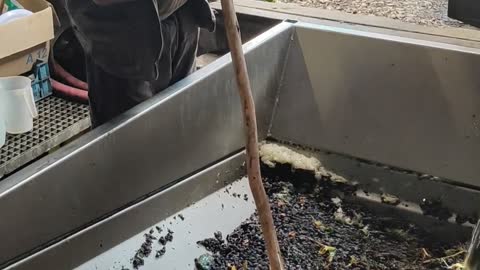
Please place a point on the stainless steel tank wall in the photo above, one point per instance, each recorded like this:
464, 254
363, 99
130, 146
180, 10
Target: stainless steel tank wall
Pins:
406, 103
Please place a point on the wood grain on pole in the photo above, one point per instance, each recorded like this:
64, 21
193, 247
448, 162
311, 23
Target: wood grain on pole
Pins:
2, 3
253, 163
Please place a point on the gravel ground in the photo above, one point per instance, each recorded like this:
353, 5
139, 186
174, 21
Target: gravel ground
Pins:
422, 12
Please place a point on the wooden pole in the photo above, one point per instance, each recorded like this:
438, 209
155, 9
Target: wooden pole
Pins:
2, 3
253, 163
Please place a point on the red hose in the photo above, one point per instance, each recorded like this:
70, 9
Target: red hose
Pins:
68, 77
70, 92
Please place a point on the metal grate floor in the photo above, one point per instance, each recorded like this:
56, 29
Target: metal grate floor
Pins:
58, 121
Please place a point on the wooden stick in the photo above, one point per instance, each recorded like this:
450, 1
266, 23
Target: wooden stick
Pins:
253, 163
2, 3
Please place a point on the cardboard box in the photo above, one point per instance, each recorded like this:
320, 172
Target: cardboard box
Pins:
26, 40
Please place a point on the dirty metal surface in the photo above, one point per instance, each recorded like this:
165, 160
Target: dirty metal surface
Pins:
226, 212
194, 209
317, 107
58, 121
203, 202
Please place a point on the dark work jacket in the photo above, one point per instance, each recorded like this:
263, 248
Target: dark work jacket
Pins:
126, 39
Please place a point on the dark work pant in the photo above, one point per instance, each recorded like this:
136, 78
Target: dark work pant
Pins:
111, 95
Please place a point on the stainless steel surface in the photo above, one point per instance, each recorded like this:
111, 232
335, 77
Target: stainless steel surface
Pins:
208, 207
403, 102
183, 129
409, 186
202, 220
408, 103
111, 243
58, 121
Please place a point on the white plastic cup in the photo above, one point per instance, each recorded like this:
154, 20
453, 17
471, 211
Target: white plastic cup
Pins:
18, 104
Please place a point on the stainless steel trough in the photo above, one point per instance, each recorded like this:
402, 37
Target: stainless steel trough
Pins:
406, 103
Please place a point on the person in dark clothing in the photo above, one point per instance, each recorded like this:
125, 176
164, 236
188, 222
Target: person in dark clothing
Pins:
136, 48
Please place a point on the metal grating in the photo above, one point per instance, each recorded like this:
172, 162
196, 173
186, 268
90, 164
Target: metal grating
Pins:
58, 121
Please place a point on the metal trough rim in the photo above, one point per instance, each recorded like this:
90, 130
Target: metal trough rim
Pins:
71, 162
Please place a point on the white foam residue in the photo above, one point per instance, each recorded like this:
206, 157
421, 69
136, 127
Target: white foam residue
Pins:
272, 154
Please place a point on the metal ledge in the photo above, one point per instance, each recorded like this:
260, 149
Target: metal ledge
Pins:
118, 236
